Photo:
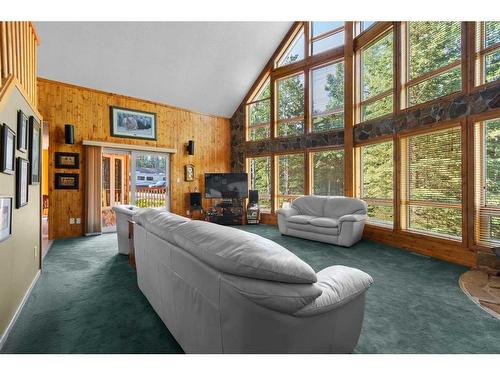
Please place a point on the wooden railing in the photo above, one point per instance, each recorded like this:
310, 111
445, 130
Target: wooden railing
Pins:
150, 196
18, 49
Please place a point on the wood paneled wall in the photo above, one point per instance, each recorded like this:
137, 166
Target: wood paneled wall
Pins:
88, 111
18, 48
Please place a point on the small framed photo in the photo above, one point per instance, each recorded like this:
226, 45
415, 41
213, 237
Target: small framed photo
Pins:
67, 160
22, 131
7, 150
34, 150
189, 172
5, 218
128, 123
22, 171
67, 181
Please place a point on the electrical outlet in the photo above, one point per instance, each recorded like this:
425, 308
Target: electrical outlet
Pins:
35, 251
187, 212
72, 220
78, 220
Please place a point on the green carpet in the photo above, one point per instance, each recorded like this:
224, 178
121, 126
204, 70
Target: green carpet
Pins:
87, 301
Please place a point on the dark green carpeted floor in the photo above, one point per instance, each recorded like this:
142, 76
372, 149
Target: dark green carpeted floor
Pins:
87, 301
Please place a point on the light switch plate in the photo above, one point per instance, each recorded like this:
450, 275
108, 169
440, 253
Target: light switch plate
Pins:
72, 220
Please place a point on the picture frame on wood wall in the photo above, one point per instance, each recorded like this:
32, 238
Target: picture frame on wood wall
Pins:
5, 217
67, 160
22, 171
189, 172
22, 131
127, 123
67, 181
34, 150
7, 150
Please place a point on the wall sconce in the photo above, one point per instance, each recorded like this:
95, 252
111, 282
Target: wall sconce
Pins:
69, 134
190, 147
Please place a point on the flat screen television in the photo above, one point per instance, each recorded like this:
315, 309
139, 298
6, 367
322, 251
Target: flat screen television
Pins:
226, 185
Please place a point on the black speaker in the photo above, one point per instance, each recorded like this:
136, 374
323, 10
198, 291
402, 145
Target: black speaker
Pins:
195, 199
190, 147
69, 134
253, 196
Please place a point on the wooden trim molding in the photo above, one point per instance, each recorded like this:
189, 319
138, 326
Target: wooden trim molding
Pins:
126, 146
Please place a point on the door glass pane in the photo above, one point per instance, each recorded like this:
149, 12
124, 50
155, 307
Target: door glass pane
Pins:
151, 180
290, 177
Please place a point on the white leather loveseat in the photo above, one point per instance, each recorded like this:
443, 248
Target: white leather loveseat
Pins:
335, 220
222, 290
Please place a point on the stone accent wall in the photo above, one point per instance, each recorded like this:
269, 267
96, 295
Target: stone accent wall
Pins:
457, 108
240, 149
453, 109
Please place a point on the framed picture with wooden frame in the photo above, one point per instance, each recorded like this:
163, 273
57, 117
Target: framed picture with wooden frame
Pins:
67, 181
22, 131
189, 172
22, 171
67, 160
5, 218
34, 150
127, 123
7, 150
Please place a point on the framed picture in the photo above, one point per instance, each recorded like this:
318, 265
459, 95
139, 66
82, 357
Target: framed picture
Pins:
67, 181
5, 218
68, 160
189, 172
7, 150
132, 124
34, 150
22, 131
22, 171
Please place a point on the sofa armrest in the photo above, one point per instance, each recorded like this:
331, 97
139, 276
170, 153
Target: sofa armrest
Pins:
340, 285
352, 217
287, 212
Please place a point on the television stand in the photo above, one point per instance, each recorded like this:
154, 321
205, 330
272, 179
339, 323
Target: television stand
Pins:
227, 212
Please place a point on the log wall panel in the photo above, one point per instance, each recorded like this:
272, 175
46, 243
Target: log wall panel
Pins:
88, 110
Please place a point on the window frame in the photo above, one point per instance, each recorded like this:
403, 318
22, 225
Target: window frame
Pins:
407, 82
359, 103
480, 54
310, 170
248, 127
312, 39
304, 118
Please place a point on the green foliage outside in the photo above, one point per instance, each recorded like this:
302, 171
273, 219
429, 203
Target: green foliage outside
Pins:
291, 175
377, 180
492, 60
328, 172
377, 64
290, 105
492, 175
328, 97
259, 172
435, 176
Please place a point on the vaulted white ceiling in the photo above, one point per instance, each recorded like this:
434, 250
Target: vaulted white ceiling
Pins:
206, 67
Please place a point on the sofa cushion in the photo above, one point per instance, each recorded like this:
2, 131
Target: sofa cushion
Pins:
324, 222
301, 219
159, 222
282, 297
314, 229
312, 205
241, 253
336, 207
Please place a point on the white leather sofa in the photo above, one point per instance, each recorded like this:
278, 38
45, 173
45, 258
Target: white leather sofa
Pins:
123, 213
335, 220
222, 290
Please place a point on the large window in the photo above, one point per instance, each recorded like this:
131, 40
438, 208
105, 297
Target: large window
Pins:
487, 185
327, 104
294, 51
290, 105
431, 182
376, 181
326, 35
327, 172
376, 71
259, 114
259, 175
291, 177
433, 57
487, 51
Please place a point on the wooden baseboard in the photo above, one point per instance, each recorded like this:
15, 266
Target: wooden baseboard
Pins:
7, 331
